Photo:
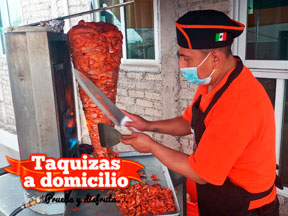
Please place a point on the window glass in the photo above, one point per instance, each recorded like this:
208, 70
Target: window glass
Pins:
139, 25
267, 30
270, 87
284, 141
110, 16
1, 34
10, 16
140, 30
14, 10
3, 23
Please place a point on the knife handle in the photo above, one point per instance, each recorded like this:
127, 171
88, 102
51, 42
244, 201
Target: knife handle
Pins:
127, 119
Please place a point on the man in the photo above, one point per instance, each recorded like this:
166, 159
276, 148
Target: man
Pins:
231, 119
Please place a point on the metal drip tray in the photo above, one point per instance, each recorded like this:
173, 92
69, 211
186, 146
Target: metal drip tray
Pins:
152, 166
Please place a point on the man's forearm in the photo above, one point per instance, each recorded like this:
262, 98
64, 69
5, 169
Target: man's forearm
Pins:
177, 126
176, 161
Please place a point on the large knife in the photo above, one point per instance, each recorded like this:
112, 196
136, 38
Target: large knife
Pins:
102, 101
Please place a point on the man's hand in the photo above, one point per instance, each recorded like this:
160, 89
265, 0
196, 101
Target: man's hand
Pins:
176, 126
139, 141
137, 122
174, 160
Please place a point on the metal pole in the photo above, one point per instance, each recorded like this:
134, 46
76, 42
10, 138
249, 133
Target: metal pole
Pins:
82, 13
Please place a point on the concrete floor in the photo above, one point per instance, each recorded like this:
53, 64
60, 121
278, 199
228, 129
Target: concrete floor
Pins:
5, 151
283, 205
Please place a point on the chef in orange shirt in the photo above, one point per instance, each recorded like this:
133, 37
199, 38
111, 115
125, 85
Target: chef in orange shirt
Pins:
231, 119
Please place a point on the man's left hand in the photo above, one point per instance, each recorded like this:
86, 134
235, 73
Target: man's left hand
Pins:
139, 141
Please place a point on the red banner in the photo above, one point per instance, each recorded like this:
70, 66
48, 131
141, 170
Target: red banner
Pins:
48, 174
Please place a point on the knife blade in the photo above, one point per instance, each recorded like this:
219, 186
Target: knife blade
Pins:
102, 101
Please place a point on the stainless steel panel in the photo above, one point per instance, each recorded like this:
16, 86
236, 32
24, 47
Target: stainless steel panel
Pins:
33, 94
32, 57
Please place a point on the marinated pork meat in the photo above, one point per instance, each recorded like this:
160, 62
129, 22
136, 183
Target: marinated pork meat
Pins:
96, 51
145, 199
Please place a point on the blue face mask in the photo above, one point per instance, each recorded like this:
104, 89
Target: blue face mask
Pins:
190, 73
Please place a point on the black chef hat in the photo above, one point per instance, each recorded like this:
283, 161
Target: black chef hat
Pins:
207, 29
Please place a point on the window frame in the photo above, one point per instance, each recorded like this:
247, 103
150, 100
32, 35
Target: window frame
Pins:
139, 62
264, 64
264, 69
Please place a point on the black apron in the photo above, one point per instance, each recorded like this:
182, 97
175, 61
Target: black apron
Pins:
227, 199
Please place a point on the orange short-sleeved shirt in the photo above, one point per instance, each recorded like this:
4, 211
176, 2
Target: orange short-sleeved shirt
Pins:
239, 140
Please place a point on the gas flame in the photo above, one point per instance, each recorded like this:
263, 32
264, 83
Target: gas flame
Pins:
72, 141
70, 123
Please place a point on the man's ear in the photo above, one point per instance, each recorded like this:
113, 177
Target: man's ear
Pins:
218, 58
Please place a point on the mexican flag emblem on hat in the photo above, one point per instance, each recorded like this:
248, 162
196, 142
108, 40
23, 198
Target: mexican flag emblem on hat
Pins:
221, 36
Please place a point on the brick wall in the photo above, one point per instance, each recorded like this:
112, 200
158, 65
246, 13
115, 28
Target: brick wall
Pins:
37, 10
7, 118
140, 93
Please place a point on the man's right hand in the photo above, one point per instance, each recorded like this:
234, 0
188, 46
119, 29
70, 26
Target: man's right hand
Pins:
176, 126
137, 122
